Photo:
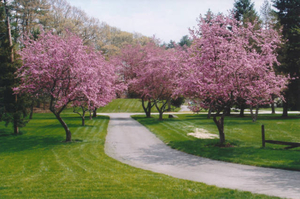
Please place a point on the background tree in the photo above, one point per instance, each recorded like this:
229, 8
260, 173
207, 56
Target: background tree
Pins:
244, 11
171, 44
185, 40
269, 20
289, 18
131, 60
150, 72
59, 15
12, 107
267, 15
28, 15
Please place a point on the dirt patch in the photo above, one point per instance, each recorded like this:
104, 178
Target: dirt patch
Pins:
202, 134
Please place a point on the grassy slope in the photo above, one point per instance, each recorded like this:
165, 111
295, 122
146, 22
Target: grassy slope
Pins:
241, 132
37, 164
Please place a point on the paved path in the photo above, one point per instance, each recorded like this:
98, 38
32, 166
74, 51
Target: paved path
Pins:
133, 144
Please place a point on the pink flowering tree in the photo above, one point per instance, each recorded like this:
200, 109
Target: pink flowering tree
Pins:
65, 70
159, 78
150, 71
130, 61
229, 62
101, 85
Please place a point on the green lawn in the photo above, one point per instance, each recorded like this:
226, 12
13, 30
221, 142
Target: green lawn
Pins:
118, 106
242, 133
123, 106
38, 164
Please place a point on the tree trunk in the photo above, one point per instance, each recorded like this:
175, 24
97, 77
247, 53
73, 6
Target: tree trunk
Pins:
83, 121
9, 33
209, 112
160, 115
147, 109
273, 108
220, 125
95, 113
285, 109
242, 114
91, 116
162, 109
256, 112
149, 106
16, 128
16, 117
38, 103
83, 116
169, 105
31, 109
67, 130
228, 110
242, 111
254, 116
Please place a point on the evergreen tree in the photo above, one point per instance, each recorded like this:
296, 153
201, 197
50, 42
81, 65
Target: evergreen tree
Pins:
12, 107
244, 11
185, 40
289, 18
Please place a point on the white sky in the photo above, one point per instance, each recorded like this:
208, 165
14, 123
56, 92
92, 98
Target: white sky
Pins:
166, 19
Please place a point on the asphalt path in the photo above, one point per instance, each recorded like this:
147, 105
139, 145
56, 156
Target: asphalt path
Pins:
131, 143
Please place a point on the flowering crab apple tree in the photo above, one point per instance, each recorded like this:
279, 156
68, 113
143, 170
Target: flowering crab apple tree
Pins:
151, 72
64, 69
100, 86
229, 62
131, 60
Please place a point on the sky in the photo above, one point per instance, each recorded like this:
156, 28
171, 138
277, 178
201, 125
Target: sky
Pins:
166, 19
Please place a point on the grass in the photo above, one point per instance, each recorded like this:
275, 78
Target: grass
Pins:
125, 106
120, 106
38, 164
242, 133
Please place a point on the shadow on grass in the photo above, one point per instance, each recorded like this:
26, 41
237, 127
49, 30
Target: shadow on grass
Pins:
6, 132
20, 143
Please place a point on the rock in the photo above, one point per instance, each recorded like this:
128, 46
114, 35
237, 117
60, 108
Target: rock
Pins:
173, 116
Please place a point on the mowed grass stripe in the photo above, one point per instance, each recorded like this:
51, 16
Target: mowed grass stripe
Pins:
172, 128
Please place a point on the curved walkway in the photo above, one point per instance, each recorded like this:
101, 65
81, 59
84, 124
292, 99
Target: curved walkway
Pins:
133, 144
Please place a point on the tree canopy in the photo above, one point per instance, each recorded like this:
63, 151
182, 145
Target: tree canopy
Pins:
66, 71
230, 62
289, 18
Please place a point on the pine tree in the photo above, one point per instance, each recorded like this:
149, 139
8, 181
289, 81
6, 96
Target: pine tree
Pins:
12, 107
244, 11
289, 18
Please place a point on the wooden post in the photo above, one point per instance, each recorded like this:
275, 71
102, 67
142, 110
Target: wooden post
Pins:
263, 135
